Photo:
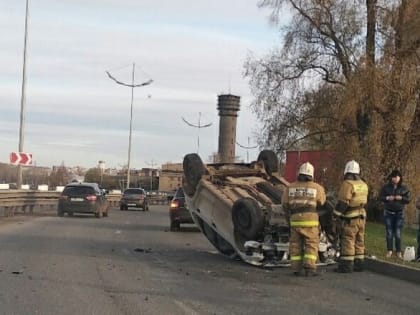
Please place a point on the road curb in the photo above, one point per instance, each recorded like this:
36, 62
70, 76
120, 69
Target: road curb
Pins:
393, 270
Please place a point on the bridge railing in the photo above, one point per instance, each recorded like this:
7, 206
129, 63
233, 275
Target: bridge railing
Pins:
29, 201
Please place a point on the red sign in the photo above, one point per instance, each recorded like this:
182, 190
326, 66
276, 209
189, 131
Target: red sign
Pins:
321, 160
21, 158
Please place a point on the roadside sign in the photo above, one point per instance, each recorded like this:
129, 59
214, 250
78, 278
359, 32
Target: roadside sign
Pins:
20, 158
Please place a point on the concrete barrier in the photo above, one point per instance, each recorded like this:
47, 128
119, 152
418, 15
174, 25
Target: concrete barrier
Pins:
389, 269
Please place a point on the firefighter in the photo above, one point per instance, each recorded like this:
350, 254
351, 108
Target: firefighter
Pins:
351, 216
300, 201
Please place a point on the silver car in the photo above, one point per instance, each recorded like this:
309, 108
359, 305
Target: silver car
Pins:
238, 208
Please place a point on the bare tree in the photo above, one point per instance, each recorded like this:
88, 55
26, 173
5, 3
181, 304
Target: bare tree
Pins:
345, 79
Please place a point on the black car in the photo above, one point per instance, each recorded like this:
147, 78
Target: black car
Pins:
134, 197
178, 213
83, 198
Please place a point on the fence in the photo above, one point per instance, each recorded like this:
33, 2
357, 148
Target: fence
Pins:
24, 201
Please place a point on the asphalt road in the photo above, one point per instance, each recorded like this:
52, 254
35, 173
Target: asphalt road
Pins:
130, 263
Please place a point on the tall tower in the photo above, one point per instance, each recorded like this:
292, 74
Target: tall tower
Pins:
228, 106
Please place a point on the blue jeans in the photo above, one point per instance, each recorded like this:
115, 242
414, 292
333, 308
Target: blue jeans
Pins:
394, 222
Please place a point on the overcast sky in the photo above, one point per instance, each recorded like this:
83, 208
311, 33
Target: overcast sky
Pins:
193, 50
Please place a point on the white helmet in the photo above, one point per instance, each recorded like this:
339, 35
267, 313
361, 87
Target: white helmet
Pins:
352, 167
307, 169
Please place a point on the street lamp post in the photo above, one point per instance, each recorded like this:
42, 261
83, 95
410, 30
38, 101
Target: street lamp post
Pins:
22, 99
247, 149
199, 126
132, 85
152, 164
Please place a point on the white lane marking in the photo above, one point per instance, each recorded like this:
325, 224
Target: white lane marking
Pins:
117, 232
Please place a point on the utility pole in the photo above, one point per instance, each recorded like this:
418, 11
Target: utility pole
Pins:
152, 164
132, 85
199, 126
23, 99
247, 148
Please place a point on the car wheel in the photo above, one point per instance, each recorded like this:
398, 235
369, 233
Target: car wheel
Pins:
175, 226
60, 213
70, 214
247, 217
270, 161
271, 191
106, 214
194, 169
98, 214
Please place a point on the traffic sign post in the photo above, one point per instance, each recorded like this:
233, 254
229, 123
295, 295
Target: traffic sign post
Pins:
20, 158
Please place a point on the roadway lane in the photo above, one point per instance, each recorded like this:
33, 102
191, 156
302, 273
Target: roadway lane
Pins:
130, 263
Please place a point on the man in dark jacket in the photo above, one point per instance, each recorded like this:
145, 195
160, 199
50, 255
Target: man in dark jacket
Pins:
395, 196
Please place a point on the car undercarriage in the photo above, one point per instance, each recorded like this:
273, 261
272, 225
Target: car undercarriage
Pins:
237, 206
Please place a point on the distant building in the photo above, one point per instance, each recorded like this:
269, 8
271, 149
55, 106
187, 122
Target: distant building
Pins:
170, 177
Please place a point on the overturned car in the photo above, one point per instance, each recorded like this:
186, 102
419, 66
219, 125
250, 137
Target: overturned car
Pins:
238, 208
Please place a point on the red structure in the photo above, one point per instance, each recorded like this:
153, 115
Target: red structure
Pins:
321, 160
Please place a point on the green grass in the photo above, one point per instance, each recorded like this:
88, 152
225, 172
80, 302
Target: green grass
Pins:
376, 243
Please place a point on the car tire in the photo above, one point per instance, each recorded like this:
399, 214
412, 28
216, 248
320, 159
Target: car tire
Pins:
271, 191
270, 161
175, 226
60, 213
70, 214
247, 218
98, 214
194, 169
106, 214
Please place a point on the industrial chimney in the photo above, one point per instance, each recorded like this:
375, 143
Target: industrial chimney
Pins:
228, 106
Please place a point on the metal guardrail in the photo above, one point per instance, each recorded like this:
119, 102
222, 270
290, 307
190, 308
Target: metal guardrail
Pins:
29, 201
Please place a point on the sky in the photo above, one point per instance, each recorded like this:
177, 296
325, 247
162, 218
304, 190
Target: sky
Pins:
74, 114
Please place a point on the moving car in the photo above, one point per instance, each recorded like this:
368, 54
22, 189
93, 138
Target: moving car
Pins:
178, 213
83, 198
238, 208
134, 197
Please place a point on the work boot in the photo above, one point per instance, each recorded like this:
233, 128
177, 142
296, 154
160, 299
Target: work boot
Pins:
297, 273
344, 266
311, 273
359, 265
388, 254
